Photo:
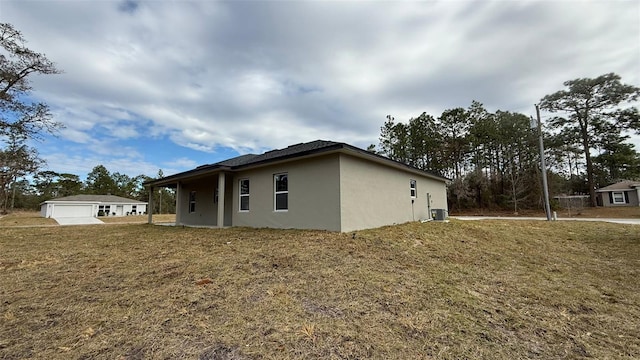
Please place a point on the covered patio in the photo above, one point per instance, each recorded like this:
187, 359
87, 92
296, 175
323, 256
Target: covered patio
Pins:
198, 199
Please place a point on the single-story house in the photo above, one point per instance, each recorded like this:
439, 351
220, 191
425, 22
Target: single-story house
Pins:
623, 193
316, 185
91, 206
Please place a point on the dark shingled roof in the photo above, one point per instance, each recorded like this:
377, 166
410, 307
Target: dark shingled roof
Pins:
112, 199
293, 150
237, 161
290, 152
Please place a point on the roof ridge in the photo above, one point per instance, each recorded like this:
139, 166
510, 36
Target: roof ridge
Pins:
290, 152
96, 198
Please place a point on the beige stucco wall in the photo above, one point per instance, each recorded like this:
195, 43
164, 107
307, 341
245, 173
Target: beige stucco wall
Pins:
314, 195
374, 195
337, 192
206, 210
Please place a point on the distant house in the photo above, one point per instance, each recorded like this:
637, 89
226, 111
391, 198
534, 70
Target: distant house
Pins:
623, 193
91, 206
317, 185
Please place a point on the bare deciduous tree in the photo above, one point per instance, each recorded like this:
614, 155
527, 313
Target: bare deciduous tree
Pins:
21, 118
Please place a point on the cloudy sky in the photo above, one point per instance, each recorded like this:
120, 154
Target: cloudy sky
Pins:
170, 85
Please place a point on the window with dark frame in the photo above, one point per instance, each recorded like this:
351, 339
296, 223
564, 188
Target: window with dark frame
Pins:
244, 195
413, 189
192, 201
281, 193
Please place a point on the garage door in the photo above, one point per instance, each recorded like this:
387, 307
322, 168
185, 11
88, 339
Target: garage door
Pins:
72, 211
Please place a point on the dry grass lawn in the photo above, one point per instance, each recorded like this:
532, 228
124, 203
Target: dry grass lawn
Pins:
33, 218
25, 218
138, 219
622, 212
491, 289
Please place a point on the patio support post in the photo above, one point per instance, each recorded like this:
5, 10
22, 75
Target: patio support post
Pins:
178, 201
150, 206
221, 187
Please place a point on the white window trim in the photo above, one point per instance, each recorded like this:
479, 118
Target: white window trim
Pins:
240, 195
192, 202
613, 197
276, 193
413, 188
106, 209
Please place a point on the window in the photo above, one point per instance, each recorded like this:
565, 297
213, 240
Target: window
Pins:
413, 190
134, 209
192, 201
281, 186
618, 198
106, 209
244, 195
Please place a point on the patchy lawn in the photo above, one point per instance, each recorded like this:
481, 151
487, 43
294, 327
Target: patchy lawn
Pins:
33, 218
622, 212
493, 289
138, 219
603, 212
25, 218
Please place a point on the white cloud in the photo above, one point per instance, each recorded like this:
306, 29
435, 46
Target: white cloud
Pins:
180, 163
121, 131
76, 135
82, 164
257, 75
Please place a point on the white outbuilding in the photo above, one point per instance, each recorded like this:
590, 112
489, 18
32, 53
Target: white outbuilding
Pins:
91, 206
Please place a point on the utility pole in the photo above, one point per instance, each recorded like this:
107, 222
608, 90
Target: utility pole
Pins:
543, 166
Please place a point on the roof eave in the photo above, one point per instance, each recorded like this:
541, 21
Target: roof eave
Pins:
393, 163
287, 158
337, 148
189, 174
94, 202
345, 149
631, 186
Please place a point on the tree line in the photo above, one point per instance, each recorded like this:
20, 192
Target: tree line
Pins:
22, 120
492, 158
47, 185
